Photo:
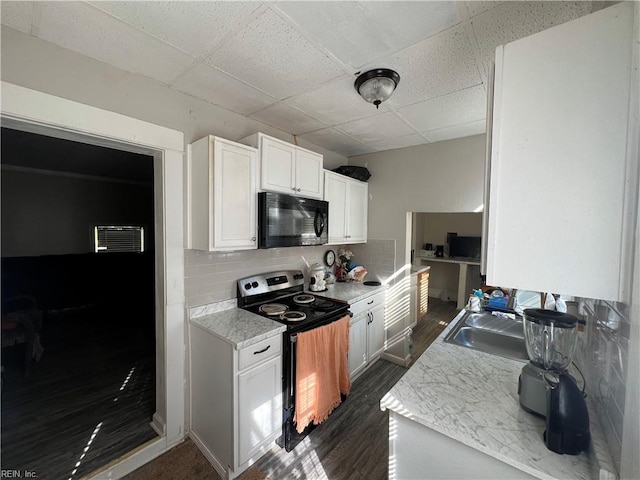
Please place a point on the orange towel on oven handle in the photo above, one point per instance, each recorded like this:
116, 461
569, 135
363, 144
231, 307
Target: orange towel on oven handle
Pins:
322, 372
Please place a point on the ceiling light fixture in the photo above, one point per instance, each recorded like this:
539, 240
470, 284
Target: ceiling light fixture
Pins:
375, 86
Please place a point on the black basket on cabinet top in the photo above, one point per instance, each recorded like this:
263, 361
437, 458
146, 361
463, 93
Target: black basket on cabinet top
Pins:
359, 173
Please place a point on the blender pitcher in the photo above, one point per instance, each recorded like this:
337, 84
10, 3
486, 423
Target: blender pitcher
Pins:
550, 338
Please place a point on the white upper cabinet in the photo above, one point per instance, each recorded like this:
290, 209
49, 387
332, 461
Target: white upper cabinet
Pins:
563, 165
222, 186
348, 204
287, 168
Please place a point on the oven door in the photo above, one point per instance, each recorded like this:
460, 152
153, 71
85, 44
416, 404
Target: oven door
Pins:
287, 221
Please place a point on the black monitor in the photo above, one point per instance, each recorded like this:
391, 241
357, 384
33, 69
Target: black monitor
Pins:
465, 247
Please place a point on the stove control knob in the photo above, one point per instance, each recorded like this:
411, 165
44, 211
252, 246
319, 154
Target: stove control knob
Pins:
254, 284
247, 286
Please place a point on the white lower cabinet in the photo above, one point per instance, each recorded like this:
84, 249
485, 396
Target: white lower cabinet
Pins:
236, 399
366, 336
258, 419
357, 344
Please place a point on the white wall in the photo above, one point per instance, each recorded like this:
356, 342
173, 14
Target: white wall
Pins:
439, 177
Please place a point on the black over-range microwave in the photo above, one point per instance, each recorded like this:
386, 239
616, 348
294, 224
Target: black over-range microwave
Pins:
288, 221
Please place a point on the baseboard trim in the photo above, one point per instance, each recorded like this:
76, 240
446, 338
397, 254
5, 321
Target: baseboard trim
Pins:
403, 362
217, 466
158, 424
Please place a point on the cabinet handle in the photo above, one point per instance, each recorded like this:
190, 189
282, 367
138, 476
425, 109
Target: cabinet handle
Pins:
253, 239
263, 350
369, 303
297, 190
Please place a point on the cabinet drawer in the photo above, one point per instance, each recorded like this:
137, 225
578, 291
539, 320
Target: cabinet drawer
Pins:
260, 351
367, 303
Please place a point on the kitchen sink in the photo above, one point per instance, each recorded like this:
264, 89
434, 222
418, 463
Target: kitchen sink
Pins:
490, 334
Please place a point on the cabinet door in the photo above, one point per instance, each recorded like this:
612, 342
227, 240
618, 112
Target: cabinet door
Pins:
375, 332
259, 407
234, 196
357, 203
335, 192
358, 344
278, 166
309, 174
559, 196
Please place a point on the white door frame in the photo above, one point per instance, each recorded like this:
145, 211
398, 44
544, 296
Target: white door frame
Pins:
38, 112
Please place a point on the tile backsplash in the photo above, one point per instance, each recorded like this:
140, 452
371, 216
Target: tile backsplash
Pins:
378, 256
211, 277
602, 354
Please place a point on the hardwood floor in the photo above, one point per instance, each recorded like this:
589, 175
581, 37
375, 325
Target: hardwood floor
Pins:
87, 401
351, 444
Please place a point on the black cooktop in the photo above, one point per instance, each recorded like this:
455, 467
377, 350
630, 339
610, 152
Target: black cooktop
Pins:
300, 308
280, 296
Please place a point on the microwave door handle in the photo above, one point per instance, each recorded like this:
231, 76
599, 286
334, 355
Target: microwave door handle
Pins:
318, 223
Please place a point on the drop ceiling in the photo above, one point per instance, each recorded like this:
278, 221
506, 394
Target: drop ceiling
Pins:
292, 65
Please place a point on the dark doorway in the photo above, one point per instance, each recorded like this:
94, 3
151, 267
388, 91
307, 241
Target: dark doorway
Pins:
78, 325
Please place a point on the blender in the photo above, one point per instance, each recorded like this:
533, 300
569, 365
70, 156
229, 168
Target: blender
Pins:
550, 338
545, 387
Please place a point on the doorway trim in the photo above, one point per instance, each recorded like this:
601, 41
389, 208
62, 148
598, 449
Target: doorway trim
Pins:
38, 112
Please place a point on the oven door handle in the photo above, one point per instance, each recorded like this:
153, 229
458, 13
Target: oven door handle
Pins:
292, 373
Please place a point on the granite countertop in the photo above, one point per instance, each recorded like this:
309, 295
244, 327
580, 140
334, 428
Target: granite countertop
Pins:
351, 292
239, 327
472, 397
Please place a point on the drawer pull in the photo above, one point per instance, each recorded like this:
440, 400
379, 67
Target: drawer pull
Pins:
369, 303
263, 350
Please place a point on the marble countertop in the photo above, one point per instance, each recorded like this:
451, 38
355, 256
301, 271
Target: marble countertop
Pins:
472, 397
351, 292
239, 327
468, 261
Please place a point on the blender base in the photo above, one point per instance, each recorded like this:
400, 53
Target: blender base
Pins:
532, 388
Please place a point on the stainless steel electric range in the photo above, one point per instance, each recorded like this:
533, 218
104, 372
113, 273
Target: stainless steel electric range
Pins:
280, 296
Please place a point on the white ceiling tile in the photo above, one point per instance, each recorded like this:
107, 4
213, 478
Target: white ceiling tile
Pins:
398, 142
287, 118
17, 15
476, 7
514, 20
359, 32
217, 87
437, 66
332, 139
335, 102
273, 56
193, 27
376, 128
457, 108
457, 131
87, 30
355, 150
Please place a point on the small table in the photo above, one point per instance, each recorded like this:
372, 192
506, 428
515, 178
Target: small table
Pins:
464, 263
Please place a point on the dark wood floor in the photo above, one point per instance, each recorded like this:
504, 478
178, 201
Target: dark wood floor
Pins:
87, 401
351, 444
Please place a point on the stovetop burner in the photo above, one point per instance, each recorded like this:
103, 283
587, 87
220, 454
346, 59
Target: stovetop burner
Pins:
304, 298
273, 309
293, 316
